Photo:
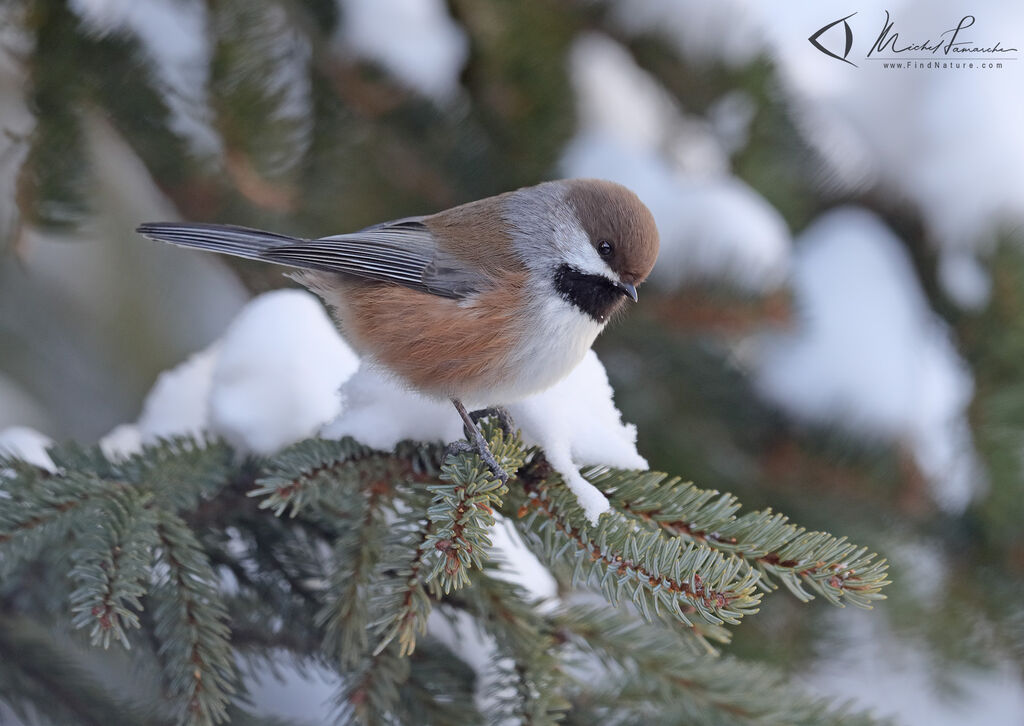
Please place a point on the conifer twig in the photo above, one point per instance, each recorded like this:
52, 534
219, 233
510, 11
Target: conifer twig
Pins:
648, 671
528, 670
345, 614
834, 568
402, 600
462, 510
658, 573
113, 567
190, 623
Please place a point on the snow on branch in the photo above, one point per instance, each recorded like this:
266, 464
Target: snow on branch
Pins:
169, 542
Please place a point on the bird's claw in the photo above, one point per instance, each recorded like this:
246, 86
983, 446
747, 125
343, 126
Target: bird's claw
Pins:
479, 443
464, 447
499, 414
458, 447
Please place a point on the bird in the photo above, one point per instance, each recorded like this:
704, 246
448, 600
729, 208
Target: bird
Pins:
484, 303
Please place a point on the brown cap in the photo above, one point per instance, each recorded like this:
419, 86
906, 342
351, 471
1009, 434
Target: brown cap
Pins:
611, 213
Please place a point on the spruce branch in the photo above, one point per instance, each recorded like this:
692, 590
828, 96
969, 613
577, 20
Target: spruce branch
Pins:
351, 488
439, 690
298, 476
309, 474
258, 641
181, 471
345, 613
836, 569
41, 683
430, 686
376, 539
18, 479
71, 457
402, 598
659, 574
649, 675
190, 624
47, 509
529, 679
113, 567
462, 510
371, 692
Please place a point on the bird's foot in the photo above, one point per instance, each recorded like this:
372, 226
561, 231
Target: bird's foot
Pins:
479, 442
458, 447
498, 413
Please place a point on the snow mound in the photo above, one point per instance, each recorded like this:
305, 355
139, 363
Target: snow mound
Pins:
415, 40
27, 444
177, 403
576, 423
869, 354
277, 376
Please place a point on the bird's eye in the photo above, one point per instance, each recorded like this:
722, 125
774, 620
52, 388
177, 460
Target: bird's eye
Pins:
604, 248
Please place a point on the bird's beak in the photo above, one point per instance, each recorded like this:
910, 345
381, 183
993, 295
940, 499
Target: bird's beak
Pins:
626, 289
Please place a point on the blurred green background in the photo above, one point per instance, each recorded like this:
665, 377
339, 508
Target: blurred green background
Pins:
860, 369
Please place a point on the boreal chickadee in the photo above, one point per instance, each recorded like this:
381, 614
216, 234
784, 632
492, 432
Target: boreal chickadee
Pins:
487, 302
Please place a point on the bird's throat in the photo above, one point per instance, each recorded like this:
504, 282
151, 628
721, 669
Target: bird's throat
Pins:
593, 295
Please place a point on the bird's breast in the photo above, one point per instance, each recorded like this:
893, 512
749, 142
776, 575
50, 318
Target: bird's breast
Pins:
492, 348
560, 336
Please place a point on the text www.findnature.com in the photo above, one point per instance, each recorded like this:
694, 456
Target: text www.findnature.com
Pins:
937, 65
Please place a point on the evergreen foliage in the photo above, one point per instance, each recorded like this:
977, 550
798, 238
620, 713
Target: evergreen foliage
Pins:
327, 582
202, 563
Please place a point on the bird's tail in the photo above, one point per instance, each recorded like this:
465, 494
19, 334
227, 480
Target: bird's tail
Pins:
224, 238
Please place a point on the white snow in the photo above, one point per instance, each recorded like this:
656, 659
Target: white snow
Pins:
277, 376
964, 280
865, 661
868, 354
415, 40
930, 567
462, 635
731, 231
177, 403
27, 444
270, 381
518, 565
576, 423
615, 97
289, 690
380, 411
730, 117
121, 442
947, 140
712, 224
728, 30
174, 36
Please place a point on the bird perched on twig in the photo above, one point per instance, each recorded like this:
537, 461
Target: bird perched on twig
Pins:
485, 303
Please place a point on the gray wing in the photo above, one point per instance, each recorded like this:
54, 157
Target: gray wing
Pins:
403, 252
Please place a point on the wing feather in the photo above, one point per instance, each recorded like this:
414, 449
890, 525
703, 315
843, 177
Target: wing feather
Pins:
404, 252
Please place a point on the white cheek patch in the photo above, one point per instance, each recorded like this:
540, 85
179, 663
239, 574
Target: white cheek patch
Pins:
584, 258
548, 234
